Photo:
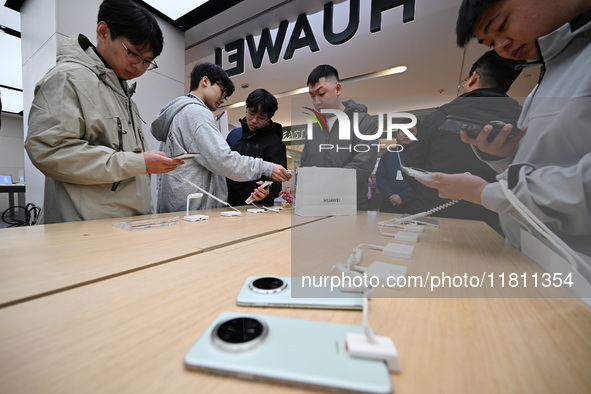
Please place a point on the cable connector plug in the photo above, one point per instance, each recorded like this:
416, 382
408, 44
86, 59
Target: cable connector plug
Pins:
381, 347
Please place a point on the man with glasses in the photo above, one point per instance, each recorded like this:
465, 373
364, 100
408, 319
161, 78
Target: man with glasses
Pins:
85, 131
187, 124
258, 137
484, 98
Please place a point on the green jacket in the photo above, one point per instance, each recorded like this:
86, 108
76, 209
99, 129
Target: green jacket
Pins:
85, 135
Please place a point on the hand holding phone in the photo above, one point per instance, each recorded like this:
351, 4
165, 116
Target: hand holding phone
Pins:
265, 186
473, 127
185, 156
416, 172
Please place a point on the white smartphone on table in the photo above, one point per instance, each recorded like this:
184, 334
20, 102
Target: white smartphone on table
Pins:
306, 353
274, 291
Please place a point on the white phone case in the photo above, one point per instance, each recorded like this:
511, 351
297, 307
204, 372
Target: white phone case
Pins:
186, 156
321, 298
305, 352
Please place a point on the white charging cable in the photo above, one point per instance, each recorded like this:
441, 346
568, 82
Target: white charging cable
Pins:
571, 256
369, 345
266, 209
209, 194
369, 334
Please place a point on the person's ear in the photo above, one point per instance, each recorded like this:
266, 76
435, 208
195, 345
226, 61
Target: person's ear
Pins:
339, 89
103, 32
207, 82
473, 81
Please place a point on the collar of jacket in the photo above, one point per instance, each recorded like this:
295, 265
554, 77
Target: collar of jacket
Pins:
103, 68
485, 92
552, 44
270, 128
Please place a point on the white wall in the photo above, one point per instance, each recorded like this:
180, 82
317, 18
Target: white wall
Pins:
45, 22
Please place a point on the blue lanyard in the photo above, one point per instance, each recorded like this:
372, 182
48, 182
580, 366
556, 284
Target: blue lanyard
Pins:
195, 97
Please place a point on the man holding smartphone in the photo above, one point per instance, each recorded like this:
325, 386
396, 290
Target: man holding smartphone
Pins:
85, 133
549, 168
187, 124
484, 98
259, 137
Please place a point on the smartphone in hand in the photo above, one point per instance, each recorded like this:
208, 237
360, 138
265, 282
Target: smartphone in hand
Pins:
473, 127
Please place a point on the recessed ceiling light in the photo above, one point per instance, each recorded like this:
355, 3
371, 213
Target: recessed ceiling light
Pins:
377, 74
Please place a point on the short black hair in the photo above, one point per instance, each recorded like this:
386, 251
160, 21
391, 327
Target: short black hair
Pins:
469, 14
127, 19
214, 73
324, 70
263, 101
496, 71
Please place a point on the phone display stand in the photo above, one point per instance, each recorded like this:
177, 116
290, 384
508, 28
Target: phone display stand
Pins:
230, 213
235, 212
194, 218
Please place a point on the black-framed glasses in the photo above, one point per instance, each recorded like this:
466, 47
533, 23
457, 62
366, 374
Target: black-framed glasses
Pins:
134, 58
224, 90
259, 119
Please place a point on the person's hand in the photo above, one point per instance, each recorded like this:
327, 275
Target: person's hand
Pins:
501, 146
466, 187
259, 193
395, 200
158, 163
280, 174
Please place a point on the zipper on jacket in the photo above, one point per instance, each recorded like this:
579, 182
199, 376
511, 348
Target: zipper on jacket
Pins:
138, 138
120, 132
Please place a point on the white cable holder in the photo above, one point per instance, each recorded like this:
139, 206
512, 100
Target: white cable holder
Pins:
369, 345
236, 212
194, 218
262, 209
380, 270
401, 221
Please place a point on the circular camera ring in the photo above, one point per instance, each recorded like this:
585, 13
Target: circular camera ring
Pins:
267, 285
239, 334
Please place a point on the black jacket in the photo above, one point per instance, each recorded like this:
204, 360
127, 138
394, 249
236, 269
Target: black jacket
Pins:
344, 154
265, 143
441, 151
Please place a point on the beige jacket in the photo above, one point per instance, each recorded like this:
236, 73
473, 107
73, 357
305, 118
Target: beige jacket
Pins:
80, 113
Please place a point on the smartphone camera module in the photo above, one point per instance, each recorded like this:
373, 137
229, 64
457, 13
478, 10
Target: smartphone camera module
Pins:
267, 285
239, 334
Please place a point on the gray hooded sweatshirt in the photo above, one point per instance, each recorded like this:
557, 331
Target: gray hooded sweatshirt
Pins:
187, 125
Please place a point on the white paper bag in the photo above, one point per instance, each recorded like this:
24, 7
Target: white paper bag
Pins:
324, 191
